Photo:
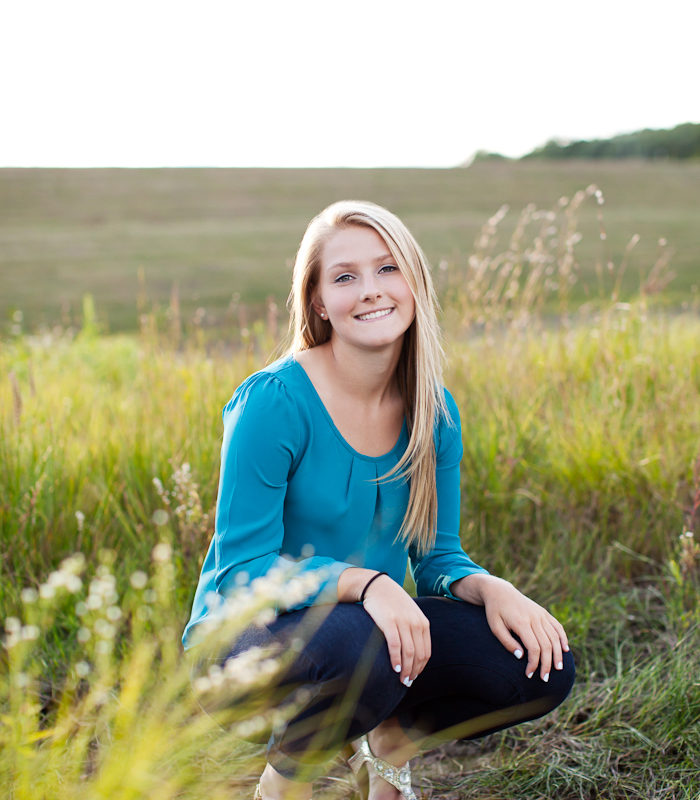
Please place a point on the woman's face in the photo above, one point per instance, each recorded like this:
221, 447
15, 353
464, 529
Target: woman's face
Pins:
361, 290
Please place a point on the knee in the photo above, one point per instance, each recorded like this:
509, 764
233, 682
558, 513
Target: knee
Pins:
566, 677
369, 685
557, 689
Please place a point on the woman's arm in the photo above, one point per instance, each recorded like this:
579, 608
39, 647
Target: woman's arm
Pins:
436, 571
405, 627
449, 571
509, 612
260, 445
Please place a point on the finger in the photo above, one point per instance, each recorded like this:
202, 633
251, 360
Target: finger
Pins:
428, 644
532, 646
557, 660
422, 645
561, 633
393, 642
545, 650
501, 632
408, 652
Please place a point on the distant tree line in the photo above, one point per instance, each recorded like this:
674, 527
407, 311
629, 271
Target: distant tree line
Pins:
681, 142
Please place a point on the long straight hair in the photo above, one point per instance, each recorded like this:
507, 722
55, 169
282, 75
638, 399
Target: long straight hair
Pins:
419, 369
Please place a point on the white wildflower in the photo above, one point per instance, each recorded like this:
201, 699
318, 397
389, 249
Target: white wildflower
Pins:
30, 633
162, 493
265, 616
57, 579
13, 625
201, 685
80, 519
93, 602
103, 572
216, 675
75, 563
160, 517
138, 579
162, 552
21, 680
46, 591
104, 630
114, 613
84, 634
29, 595
82, 669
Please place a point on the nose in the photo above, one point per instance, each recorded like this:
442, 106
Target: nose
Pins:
370, 290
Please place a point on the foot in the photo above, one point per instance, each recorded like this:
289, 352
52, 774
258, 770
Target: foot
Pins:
379, 789
274, 786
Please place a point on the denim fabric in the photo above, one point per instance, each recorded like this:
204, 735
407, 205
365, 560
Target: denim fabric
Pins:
470, 687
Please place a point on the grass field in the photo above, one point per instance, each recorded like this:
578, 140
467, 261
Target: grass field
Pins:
580, 477
225, 233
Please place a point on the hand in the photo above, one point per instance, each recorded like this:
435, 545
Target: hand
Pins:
508, 612
404, 625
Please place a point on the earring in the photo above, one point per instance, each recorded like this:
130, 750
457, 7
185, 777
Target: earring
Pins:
323, 315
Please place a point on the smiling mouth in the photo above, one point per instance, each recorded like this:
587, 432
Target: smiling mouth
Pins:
379, 314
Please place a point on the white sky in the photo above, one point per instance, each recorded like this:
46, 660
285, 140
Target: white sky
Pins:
322, 83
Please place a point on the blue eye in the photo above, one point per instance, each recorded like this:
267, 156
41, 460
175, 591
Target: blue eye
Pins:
341, 278
388, 266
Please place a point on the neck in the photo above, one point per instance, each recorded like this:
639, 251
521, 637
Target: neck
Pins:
368, 375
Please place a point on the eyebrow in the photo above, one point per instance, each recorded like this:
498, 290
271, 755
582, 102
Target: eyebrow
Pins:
347, 264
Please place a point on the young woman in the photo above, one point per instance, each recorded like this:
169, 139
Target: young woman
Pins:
343, 456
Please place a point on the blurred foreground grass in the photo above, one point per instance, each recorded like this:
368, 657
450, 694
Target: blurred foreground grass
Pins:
581, 484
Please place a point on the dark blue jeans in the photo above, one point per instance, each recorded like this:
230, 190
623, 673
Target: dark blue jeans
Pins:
471, 686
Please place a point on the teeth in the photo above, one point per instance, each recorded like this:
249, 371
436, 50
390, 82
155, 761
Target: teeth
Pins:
375, 314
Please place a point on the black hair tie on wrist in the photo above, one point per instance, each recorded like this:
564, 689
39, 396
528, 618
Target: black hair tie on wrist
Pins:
369, 583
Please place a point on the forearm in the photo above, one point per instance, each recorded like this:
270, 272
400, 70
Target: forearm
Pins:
474, 588
351, 583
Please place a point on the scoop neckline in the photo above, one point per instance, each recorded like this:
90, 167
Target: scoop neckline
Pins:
334, 427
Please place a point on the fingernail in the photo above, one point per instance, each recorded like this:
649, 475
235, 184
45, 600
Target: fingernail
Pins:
518, 653
407, 681
397, 668
560, 665
546, 678
566, 648
530, 674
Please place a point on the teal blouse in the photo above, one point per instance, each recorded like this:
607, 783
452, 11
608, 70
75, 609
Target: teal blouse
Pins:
291, 488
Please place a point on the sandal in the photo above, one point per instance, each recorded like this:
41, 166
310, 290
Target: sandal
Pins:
398, 777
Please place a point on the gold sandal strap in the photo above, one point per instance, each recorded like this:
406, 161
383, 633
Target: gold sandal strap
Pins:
398, 777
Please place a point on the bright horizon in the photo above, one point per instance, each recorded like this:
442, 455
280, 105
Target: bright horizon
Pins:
150, 84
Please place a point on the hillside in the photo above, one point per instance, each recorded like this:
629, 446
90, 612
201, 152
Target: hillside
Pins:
226, 235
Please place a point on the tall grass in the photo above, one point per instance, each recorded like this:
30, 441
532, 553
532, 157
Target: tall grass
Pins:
581, 484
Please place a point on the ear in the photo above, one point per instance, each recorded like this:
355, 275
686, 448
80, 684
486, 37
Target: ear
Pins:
318, 306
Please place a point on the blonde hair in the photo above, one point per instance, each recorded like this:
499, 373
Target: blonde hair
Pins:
419, 370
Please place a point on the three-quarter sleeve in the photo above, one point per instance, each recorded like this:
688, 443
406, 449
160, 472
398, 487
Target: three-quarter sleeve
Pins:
446, 562
261, 443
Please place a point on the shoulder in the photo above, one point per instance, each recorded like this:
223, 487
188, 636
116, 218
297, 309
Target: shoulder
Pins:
266, 394
448, 430
262, 418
